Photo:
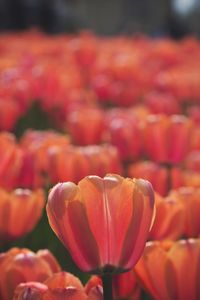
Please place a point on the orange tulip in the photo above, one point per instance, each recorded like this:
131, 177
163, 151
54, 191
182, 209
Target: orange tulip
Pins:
102, 159
86, 126
162, 178
59, 286
125, 133
10, 160
155, 173
20, 210
169, 219
124, 208
170, 270
189, 198
23, 265
167, 139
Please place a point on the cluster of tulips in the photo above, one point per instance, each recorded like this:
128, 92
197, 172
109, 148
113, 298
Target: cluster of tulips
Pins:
122, 109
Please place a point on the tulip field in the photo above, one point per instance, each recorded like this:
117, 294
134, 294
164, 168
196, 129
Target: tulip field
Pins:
99, 167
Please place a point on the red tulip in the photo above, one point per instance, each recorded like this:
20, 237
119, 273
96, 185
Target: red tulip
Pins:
10, 160
157, 174
169, 219
22, 265
102, 159
167, 139
189, 198
125, 134
86, 126
20, 210
124, 207
59, 286
170, 271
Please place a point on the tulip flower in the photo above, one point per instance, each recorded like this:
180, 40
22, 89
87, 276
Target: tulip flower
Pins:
170, 270
157, 174
169, 219
20, 210
189, 198
102, 159
124, 208
160, 131
125, 134
10, 160
22, 265
86, 126
59, 286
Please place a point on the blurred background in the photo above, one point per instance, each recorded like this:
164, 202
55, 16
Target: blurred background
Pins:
175, 18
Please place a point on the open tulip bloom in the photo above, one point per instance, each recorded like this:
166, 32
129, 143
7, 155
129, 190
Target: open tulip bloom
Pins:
103, 222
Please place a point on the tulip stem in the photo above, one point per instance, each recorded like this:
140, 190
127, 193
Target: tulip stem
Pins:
107, 287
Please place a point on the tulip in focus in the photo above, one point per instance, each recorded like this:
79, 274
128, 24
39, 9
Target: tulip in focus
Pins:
170, 270
22, 265
124, 208
20, 210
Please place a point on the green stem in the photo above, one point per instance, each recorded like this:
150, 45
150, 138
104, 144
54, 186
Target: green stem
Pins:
107, 287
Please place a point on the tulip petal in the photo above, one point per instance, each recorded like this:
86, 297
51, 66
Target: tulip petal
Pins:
136, 236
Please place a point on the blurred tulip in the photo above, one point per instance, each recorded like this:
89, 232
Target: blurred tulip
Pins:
10, 160
20, 210
62, 169
163, 178
157, 174
125, 134
30, 291
169, 219
59, 286
122, 205
189, 198
64, 286
86, 126
22, 265
102, 159
170, 270
92, 159
167, 139
35, 163
162, 103
192, 161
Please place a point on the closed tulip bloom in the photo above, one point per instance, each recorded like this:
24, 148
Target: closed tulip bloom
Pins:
22, 265
86, 126
20, 210
170, 270
189, 198
169, 219
103, 222
167, 139
59, 286
158, 175
10, 160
